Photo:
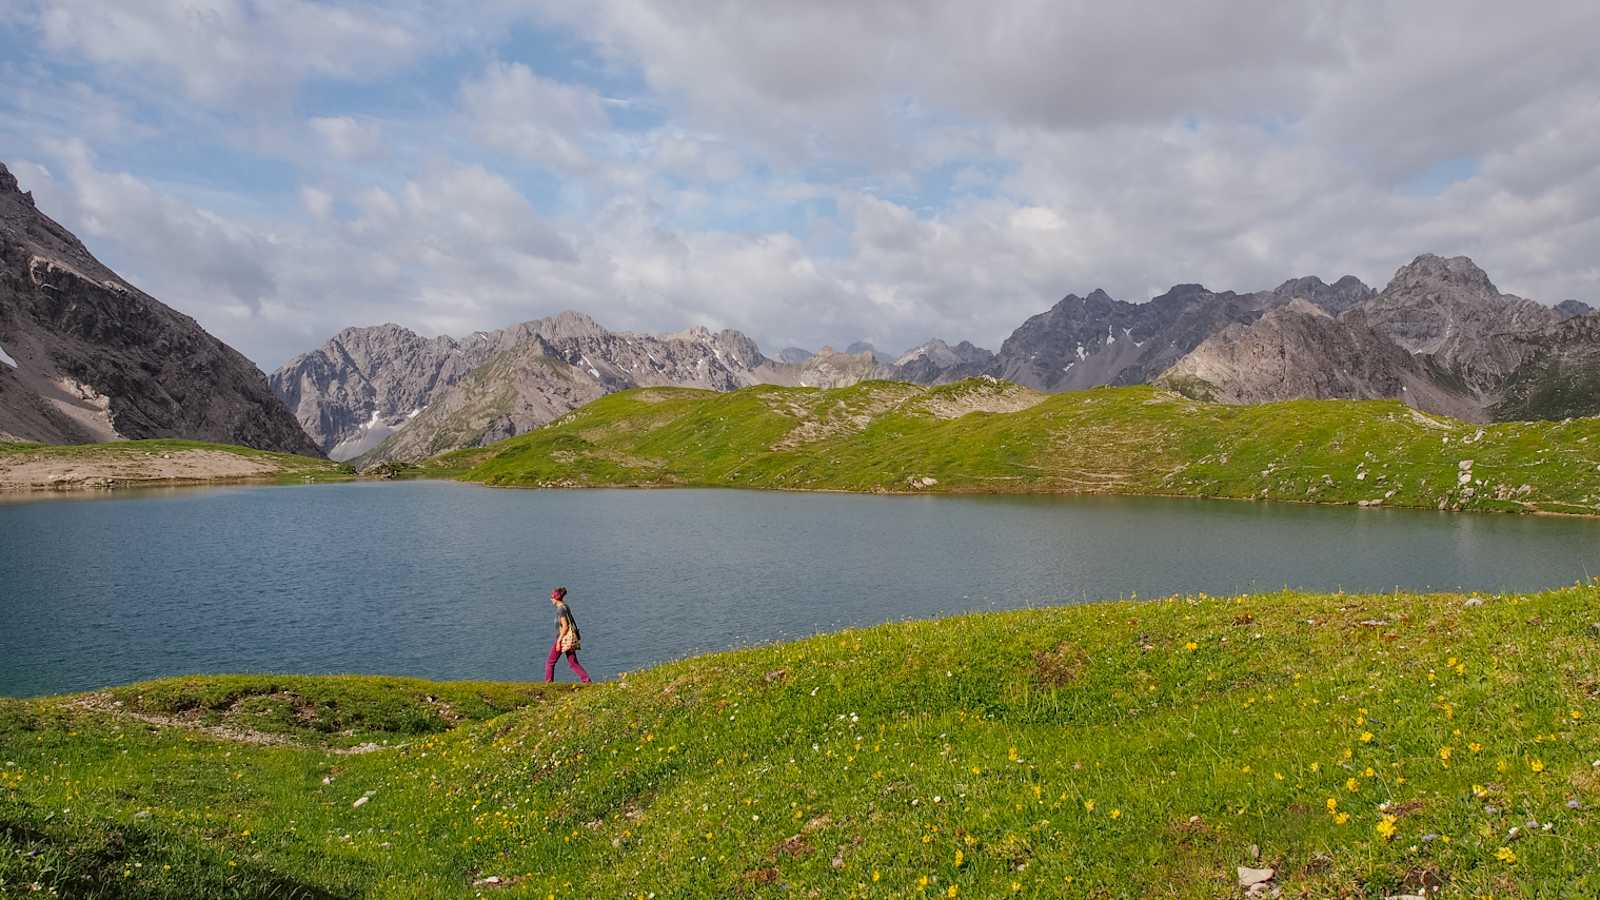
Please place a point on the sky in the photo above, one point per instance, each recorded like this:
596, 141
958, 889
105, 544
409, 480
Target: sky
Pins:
808, 173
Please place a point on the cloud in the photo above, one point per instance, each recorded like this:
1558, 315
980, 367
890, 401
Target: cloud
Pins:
317, 202
808, 173
347, 138
512, 110
219, 50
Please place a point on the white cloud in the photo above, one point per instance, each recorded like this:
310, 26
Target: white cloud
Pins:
813, 173
220, 49
347, 138
520, 113
316, 201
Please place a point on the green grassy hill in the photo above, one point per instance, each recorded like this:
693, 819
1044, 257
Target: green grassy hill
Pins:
985, 436
1361, 745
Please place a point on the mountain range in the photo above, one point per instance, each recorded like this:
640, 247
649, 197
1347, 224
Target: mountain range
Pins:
1439, 336
85, 356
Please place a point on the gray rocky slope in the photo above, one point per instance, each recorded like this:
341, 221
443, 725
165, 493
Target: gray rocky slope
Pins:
1301, 351
387, 393
85, 356
1440, 336
1449, 310
1559, 376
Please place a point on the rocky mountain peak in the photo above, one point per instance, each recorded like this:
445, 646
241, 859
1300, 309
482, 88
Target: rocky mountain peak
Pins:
1334, 298
1448, 309
570, 324
1570, 309
1455, 272
9, 185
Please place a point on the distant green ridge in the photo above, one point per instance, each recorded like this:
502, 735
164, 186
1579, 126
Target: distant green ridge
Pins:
994, 437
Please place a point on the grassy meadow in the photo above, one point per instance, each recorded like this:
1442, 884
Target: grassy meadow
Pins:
1359, 746
994, 437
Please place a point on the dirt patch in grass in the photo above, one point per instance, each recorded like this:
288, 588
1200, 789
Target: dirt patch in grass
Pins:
105, 704
1060, 665
794, 847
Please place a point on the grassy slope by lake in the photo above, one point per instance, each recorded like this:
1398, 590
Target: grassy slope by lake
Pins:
980, 436
152, 462
1367, 745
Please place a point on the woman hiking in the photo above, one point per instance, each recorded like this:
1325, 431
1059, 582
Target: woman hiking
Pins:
568, 640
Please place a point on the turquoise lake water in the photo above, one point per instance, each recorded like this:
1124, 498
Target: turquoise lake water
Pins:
444, 580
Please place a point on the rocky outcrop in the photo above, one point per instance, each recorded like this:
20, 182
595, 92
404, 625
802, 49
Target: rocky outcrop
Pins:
867, 348
1449, 310
1568, 309
1440, 336
520, 388
1085, 342
1300, 351
365, 383
1334, 299
829, 368
936, 362
1560, 375
89, 357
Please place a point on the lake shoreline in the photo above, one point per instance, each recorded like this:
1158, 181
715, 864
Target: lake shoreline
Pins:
958, 492
30, 469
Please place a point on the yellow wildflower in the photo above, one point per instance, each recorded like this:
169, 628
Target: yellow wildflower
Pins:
1116, 814
1366, 737
1088, 805
960, 858
1537, 765
1341, 818
1352, 785
1505, 855
1191, 646
1385, 827
1333, 804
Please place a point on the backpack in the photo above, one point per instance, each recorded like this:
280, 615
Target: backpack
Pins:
574, 638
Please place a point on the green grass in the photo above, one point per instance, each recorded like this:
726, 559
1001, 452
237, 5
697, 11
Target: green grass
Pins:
290, 467
881, 436
1126, 749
